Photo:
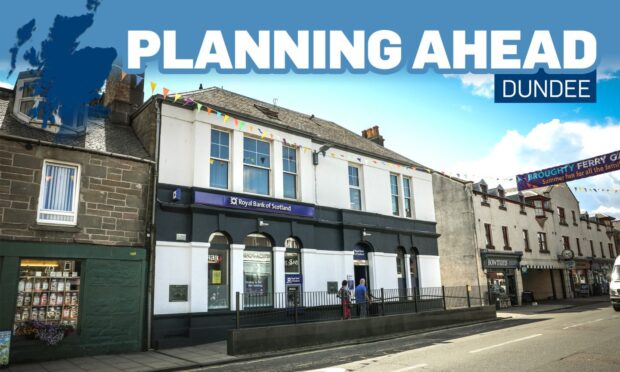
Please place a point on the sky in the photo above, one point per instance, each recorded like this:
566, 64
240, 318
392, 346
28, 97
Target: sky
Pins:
447, 122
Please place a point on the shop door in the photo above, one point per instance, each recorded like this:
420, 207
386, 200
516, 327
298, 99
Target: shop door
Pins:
511, 283
361, 272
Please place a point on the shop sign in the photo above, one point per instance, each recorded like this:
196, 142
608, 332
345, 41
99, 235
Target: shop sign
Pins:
215, 258
501, 262
570, 265
360, 254
292, 279
252, 204
257, 256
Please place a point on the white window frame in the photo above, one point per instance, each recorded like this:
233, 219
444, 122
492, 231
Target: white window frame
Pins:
398, 196
358, 187
296, 174
76, 195
270, 168
227, 161
404, 203
19, 91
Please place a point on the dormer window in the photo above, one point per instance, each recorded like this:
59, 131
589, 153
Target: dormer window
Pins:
502, 196
26, 102
538, 205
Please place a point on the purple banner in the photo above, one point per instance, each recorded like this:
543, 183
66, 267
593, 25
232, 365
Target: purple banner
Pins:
252, 204
570, 172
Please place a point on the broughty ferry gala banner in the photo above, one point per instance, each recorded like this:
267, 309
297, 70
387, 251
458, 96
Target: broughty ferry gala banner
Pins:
570, 172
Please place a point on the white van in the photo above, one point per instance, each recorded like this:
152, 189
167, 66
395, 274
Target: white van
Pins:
614, 286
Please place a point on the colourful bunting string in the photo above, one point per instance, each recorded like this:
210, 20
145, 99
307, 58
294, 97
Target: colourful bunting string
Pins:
153, 86
139, 80
177, 97
165, 91
199, 106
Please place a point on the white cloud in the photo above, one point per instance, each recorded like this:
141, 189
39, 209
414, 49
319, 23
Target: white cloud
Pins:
6, 85
480, 84
610, 211
549, 144
608, 70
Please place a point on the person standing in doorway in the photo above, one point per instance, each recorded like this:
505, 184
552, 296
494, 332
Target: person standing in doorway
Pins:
345, 300
361, 299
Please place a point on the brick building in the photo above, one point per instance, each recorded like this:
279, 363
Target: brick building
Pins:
74, 222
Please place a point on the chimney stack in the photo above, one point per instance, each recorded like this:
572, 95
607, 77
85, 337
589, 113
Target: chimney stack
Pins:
122, 96
373, 135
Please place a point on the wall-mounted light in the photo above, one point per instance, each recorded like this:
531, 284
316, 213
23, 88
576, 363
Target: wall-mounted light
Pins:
262, 223
365, 233
322, 150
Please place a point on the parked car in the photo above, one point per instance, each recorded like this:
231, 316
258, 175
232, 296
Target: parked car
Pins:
614, 286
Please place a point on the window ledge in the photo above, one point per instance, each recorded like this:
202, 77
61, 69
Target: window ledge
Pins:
490, 247
485, 204
60, 228
508, 248
528, 250
575, 224
523, 213
563, 223
545, 252
503, 207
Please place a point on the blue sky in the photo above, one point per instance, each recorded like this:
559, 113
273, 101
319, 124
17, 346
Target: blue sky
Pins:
448, 123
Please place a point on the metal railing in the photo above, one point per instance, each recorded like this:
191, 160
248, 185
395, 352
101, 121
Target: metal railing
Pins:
263, 309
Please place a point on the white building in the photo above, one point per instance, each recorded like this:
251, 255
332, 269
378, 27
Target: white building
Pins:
254, 198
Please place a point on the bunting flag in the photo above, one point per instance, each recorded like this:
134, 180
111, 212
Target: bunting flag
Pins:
236, 121
153, 86
209, 110
165, 91
123, 74
187, 101
199, 106
139, 80
226, 117
177, 97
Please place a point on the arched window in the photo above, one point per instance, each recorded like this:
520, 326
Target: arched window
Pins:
219, 289
257, 240
400, 268
257, 271
292, 256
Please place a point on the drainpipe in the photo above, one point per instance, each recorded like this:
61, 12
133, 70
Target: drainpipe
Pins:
475, 236
151, 276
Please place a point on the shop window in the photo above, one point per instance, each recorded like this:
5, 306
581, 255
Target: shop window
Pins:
257, 166
579, 253
58, 198
400, 263
526, 241
488, 235
220, 155
542, 242
355, 188
506, 238
218, 272
407, 195
394, 192
257, 271
292, 256
289, 165
48, 291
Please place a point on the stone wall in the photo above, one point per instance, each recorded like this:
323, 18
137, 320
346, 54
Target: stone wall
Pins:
145, 126
113, 205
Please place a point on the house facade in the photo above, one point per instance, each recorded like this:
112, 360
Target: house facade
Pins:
535, 242
264, 201
74, 212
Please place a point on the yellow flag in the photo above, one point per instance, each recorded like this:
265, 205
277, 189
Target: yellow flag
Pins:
226, 117
177, 97
153, 86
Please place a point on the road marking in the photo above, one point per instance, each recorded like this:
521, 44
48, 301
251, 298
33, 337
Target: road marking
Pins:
505, 343
412, 367
584, 323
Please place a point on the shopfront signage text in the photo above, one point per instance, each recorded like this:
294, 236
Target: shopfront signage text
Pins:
252, 204
492, 262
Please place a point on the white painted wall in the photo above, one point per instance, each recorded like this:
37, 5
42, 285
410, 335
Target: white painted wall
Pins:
429, 274
171, 263
320, 267
185, 151
382, 270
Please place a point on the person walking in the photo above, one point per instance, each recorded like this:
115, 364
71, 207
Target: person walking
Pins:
345, 300
361, 298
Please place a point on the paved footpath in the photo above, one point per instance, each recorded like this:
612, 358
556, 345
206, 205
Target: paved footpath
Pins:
214, 354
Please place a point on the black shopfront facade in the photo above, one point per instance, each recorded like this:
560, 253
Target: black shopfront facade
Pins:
501, 269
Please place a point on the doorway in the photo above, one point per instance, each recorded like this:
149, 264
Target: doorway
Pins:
361, 267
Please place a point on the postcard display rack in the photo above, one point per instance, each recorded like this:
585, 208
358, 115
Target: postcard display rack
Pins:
48, 291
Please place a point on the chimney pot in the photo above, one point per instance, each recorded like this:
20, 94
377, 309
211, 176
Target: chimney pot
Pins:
373, 135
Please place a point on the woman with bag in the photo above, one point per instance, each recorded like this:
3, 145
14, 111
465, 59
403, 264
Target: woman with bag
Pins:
345, 300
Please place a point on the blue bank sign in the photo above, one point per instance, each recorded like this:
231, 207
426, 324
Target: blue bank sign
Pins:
252, 204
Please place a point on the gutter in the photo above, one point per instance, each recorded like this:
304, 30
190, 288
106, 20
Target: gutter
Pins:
75, 148
151, 256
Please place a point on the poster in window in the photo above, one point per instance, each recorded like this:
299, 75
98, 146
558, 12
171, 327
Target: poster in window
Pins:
5, 344
216, 277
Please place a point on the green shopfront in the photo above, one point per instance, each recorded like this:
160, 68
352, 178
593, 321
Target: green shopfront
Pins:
97, 292
501, 272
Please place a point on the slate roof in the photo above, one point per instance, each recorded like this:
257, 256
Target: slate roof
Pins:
99, 136
316, 128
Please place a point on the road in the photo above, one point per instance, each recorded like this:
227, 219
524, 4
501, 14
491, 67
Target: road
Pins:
586, 338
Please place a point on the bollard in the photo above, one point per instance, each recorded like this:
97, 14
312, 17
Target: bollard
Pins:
382, 303
238, 312
443, 296
468, 299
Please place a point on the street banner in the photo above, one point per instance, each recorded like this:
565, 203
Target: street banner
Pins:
570, 172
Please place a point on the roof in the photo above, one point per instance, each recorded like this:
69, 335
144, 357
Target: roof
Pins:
316, 128
100, 135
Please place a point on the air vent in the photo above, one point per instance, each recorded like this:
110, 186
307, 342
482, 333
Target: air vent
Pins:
272, 114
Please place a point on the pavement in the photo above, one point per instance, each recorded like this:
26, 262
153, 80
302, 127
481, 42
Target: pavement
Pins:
213, 355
